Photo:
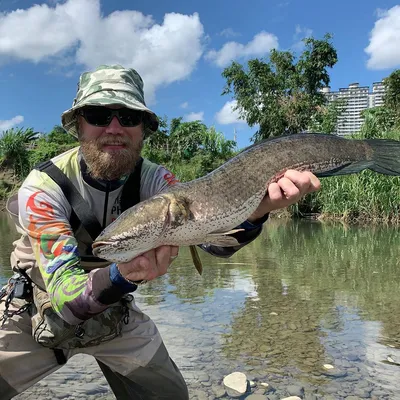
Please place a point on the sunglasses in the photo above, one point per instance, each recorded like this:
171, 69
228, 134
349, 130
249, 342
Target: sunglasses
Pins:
102, 116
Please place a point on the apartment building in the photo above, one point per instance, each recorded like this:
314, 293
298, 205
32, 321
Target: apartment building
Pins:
357, 98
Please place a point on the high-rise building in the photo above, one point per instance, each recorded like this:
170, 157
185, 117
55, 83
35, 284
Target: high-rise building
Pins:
357, 99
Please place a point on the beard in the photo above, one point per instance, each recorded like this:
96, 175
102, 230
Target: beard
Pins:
110, 165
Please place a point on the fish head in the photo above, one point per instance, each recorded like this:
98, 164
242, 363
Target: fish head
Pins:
135, 231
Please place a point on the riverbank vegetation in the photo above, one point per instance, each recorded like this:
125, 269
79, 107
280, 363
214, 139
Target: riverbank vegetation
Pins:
281, 95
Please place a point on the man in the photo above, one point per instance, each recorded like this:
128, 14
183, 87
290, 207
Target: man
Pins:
110, 119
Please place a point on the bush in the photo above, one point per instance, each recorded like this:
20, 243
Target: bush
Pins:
45, 150
14, 151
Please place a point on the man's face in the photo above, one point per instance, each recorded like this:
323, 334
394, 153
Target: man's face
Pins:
110, 151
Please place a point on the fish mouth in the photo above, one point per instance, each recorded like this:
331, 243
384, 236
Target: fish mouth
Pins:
98, 246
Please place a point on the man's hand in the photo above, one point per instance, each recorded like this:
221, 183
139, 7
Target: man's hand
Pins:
149, 265
286, 191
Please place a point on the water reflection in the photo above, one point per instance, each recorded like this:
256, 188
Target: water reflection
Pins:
7, 236
304, 294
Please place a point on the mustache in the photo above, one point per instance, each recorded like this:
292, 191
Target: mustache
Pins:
114, 141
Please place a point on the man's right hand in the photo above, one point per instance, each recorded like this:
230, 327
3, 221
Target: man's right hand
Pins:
149, 265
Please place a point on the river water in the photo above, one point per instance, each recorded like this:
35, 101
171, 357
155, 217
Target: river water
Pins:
302, 295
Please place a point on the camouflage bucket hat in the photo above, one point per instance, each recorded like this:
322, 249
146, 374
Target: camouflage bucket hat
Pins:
110, 85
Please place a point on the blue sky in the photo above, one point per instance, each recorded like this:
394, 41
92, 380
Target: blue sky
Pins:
179, 47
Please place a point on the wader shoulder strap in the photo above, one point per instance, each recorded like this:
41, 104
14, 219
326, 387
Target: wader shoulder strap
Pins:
80, 207
131, 191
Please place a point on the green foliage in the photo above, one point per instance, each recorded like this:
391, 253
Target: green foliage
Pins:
282, 95
377, 122
58, 135
392, 93
189, 149
367, 196
45, 150
325, 120
186, 139
14, 151
48, 146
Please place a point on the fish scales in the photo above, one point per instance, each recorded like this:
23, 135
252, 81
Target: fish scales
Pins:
206, 210
233, 191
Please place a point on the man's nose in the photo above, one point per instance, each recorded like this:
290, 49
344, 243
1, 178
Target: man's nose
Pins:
114, 126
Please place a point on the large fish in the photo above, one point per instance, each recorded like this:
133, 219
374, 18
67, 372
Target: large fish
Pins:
208, 209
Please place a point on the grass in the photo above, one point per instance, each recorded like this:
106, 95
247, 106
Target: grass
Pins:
364, 197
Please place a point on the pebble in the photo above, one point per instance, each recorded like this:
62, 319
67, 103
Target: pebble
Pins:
265, 365
256, 397
295, 390
218, 391
292, 398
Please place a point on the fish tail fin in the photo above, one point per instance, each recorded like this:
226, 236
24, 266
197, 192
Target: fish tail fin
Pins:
385, 159
386, 156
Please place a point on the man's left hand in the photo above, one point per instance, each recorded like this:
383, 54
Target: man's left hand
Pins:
286, 191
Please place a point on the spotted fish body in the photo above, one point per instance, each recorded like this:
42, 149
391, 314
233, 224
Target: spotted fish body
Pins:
208, 209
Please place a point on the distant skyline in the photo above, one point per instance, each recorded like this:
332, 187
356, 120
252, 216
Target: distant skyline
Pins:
180, 48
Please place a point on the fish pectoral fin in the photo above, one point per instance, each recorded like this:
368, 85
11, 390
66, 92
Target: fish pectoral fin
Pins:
227, 232
221, 239
196, 259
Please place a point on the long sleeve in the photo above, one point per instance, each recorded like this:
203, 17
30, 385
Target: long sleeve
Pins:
72, 291
250, 232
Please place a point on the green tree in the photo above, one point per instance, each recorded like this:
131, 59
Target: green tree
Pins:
282, 95
156, 146
186, 139
57, 141
325, 120
215, 149
392, 93
14, 149
175, 122
60, 136
377, 122
189, 149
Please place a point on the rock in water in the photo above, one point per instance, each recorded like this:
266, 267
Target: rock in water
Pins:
235, 384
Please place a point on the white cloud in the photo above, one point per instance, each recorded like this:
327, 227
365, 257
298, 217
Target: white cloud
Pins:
184, 105
228, 115
10, 123
77, 30
193, 116
228, 33
383, 48
283, 3
262, 43
300, 34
